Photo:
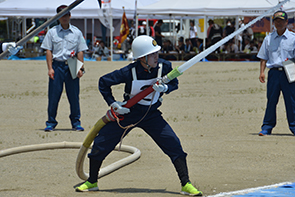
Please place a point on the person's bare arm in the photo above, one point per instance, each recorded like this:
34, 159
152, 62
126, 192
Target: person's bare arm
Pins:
262, 69
49, 64
80, 57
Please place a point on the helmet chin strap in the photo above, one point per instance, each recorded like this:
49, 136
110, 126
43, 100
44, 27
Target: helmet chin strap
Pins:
149, 67
146, 63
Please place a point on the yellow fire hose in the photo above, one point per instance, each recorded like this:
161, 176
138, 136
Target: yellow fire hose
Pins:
104, 171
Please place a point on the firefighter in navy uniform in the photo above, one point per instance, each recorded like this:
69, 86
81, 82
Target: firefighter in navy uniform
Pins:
144, 72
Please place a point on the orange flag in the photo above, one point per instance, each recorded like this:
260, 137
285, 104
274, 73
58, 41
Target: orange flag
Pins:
124, 30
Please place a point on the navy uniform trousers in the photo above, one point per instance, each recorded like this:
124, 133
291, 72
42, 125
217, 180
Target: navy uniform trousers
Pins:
277, 82
62, 75
153, 124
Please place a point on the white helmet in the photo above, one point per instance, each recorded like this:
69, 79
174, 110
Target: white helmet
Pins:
144, 45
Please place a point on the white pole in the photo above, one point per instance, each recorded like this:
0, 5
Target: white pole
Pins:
92, 32
24, 26
237, 27
136, 19
147, 26
85, 28
205, 32
181, 24
111, 36
174, 32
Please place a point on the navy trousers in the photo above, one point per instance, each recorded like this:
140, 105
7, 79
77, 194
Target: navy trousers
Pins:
277, 82
63, 76
153, 124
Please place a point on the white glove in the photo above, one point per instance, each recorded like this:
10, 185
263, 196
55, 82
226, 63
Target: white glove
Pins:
14, 50
117, 107
162, 87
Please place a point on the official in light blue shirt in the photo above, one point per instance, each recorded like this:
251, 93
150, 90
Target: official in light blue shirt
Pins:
62, 42
276, 48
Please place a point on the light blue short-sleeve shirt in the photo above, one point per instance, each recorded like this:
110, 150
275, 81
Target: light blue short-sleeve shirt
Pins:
64, 42
276, 49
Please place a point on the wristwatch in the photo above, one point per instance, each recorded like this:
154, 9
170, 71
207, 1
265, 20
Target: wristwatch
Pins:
83, 70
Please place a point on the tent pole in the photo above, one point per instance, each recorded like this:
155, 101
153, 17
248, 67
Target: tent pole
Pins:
92, 32
236, 28
205, 33
174, 32
7, 26
181, 24
24, 26
136, 19
41, 27
111, 36
85, 28
147, 25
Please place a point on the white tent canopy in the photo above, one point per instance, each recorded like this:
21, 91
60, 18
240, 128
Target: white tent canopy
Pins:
86, 9
212, 7
192, 8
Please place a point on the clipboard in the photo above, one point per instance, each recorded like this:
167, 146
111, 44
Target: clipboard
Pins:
74, 66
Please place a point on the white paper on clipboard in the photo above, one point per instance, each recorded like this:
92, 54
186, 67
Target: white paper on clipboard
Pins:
74, 66
289, 67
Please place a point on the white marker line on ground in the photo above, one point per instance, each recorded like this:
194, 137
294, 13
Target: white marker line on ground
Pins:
245, 191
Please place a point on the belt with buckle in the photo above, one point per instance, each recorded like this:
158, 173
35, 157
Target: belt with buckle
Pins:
277, 68
66, 62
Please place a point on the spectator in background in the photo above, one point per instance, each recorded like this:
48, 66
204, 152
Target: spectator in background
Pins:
180, 47
193, 33
102, 52
211, 23
188, 47
247, 34
215, 34
232, 47
199, 45
158, 33
131, 36
167, 48
253, 47
229, 28
142, 29
259, 43
247, 46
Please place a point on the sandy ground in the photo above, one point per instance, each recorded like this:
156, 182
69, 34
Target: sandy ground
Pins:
216, 112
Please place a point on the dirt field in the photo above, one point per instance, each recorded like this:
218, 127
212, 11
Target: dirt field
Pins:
216, 112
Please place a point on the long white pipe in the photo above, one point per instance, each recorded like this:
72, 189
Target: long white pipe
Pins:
135, 154
211, 49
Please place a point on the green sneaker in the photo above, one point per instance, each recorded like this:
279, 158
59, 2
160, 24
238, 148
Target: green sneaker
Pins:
86, 187
189, 189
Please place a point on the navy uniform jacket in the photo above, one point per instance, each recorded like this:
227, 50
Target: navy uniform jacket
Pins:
124, 75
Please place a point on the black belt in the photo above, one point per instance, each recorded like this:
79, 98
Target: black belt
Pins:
66, 62
277, 68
